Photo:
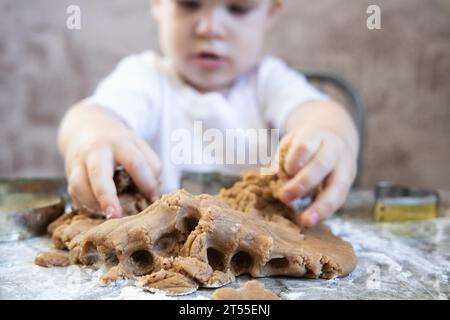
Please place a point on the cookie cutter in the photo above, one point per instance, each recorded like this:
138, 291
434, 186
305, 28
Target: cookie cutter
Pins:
401, 203
27, 206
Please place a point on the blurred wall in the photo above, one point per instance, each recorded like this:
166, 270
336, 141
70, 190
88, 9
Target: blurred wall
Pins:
403, 72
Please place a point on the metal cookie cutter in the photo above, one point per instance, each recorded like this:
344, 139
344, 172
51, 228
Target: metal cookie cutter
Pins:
400, 203
27, 206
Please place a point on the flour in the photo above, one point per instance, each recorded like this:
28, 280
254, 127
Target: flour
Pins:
389, 266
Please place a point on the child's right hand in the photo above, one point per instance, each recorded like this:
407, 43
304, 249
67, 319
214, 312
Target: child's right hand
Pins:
93, 143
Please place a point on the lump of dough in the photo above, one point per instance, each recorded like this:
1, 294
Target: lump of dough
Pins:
251, 290
182, 242
168, 282
52, 259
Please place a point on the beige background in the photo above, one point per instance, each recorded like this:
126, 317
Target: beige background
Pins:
403, 72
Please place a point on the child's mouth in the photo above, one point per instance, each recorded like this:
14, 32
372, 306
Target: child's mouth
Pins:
208, 60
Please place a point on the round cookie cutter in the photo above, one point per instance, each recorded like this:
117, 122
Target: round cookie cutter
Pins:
27, 206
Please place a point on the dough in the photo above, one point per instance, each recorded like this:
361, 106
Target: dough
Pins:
256, 193
131, 200
52, 259
168, 282
182, 241
68, 226
251, 290
260, 193
201, 238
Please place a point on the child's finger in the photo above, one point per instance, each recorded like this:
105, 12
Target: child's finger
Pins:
284, 144
311, 175
100, 168
329, 200
80, 189
286, 140
135, 164
301, 151
151, 157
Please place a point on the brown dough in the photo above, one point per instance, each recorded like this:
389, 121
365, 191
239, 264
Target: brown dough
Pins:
169, 282
133, 203
256, 193
68, 226
183, 241
72, 225
131, 199
202, 239
261, 193
52, 259
251, 290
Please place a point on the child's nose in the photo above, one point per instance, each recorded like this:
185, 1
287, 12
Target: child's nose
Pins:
210, 25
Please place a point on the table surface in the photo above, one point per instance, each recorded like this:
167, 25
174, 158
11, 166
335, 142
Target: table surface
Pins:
402, 260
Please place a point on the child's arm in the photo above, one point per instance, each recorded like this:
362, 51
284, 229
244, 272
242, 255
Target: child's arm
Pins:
93, 141
323, 147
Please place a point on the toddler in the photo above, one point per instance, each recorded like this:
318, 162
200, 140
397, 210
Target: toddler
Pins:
212, 72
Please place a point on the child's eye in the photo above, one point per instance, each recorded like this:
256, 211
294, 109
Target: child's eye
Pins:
238, 10
189, 4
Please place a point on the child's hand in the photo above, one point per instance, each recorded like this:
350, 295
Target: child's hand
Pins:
317, 155
92, 153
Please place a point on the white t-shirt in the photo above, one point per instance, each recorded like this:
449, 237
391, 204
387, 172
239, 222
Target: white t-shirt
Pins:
150, 98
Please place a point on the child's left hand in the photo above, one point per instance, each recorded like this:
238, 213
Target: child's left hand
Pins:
317, 155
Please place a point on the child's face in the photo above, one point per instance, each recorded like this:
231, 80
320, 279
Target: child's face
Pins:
212, 42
